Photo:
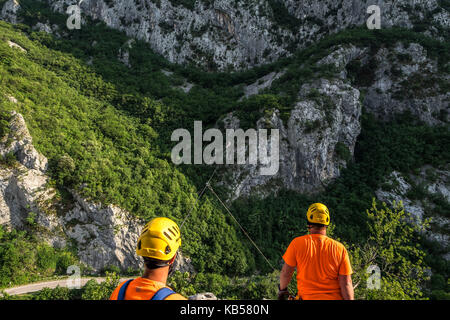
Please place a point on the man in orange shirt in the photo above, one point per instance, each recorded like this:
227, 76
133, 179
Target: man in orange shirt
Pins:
158, 245
323, 265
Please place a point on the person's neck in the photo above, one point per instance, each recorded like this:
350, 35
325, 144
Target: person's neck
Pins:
321, 231
159, 274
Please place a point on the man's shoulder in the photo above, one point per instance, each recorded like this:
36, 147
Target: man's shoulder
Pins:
336, 243
298, 241
115, 293
176, 296
301, 238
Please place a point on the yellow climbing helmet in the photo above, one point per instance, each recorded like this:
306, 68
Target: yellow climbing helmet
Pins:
160, 239
318, 213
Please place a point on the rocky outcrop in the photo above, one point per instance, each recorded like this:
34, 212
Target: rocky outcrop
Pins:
47, 27
342, 14
320, 134
219, 35
203, 296
103, 235
315, 143
19, 142
237, 34
342, 56
406, 79
261, 84
434, 182
15, 46
397, 79
9, 11
24, 195
124, 53
399, 194
183, 264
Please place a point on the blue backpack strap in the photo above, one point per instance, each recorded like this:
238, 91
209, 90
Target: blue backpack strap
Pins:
123, 289
162, 293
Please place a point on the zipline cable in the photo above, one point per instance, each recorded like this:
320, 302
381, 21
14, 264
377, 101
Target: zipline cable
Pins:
207, 185
198, 198
243, 230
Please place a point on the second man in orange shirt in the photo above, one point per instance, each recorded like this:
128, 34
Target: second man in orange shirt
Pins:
323, 265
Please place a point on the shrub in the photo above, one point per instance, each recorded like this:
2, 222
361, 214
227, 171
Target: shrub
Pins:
100, 291
343, 152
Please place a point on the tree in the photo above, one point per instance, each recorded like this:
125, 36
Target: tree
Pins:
100, 291
392, 246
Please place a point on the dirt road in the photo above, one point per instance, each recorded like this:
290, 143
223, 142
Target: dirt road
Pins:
33, 287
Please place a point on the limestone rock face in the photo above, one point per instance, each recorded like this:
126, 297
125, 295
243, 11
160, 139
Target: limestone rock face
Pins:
19, 142
402, 78
319, 136
106, 236
223, 33
342, 56
9, 11
325, 119
436, 182
47, 27
103, 235
398, 194
183, 264
406, 79
261, 83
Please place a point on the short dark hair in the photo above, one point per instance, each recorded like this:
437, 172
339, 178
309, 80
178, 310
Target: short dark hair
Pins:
152, 263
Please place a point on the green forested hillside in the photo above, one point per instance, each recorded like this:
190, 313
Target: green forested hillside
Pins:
105, 129
113, 156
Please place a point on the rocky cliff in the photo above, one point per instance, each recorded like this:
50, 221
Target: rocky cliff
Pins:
239, 34
319, 136
9, 11
103, 235
325, 118
431, 183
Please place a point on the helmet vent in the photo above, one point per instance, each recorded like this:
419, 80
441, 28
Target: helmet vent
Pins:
165, 233
167, 250
311, 217
139, 245
174, 234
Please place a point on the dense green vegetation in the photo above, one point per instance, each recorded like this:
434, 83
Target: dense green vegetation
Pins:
381, 149
114, 157
389, 242
24, 259
105, 129
282, 17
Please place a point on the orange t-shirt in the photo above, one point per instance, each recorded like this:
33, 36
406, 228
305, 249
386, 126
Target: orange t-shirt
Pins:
143, 289
319, 260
